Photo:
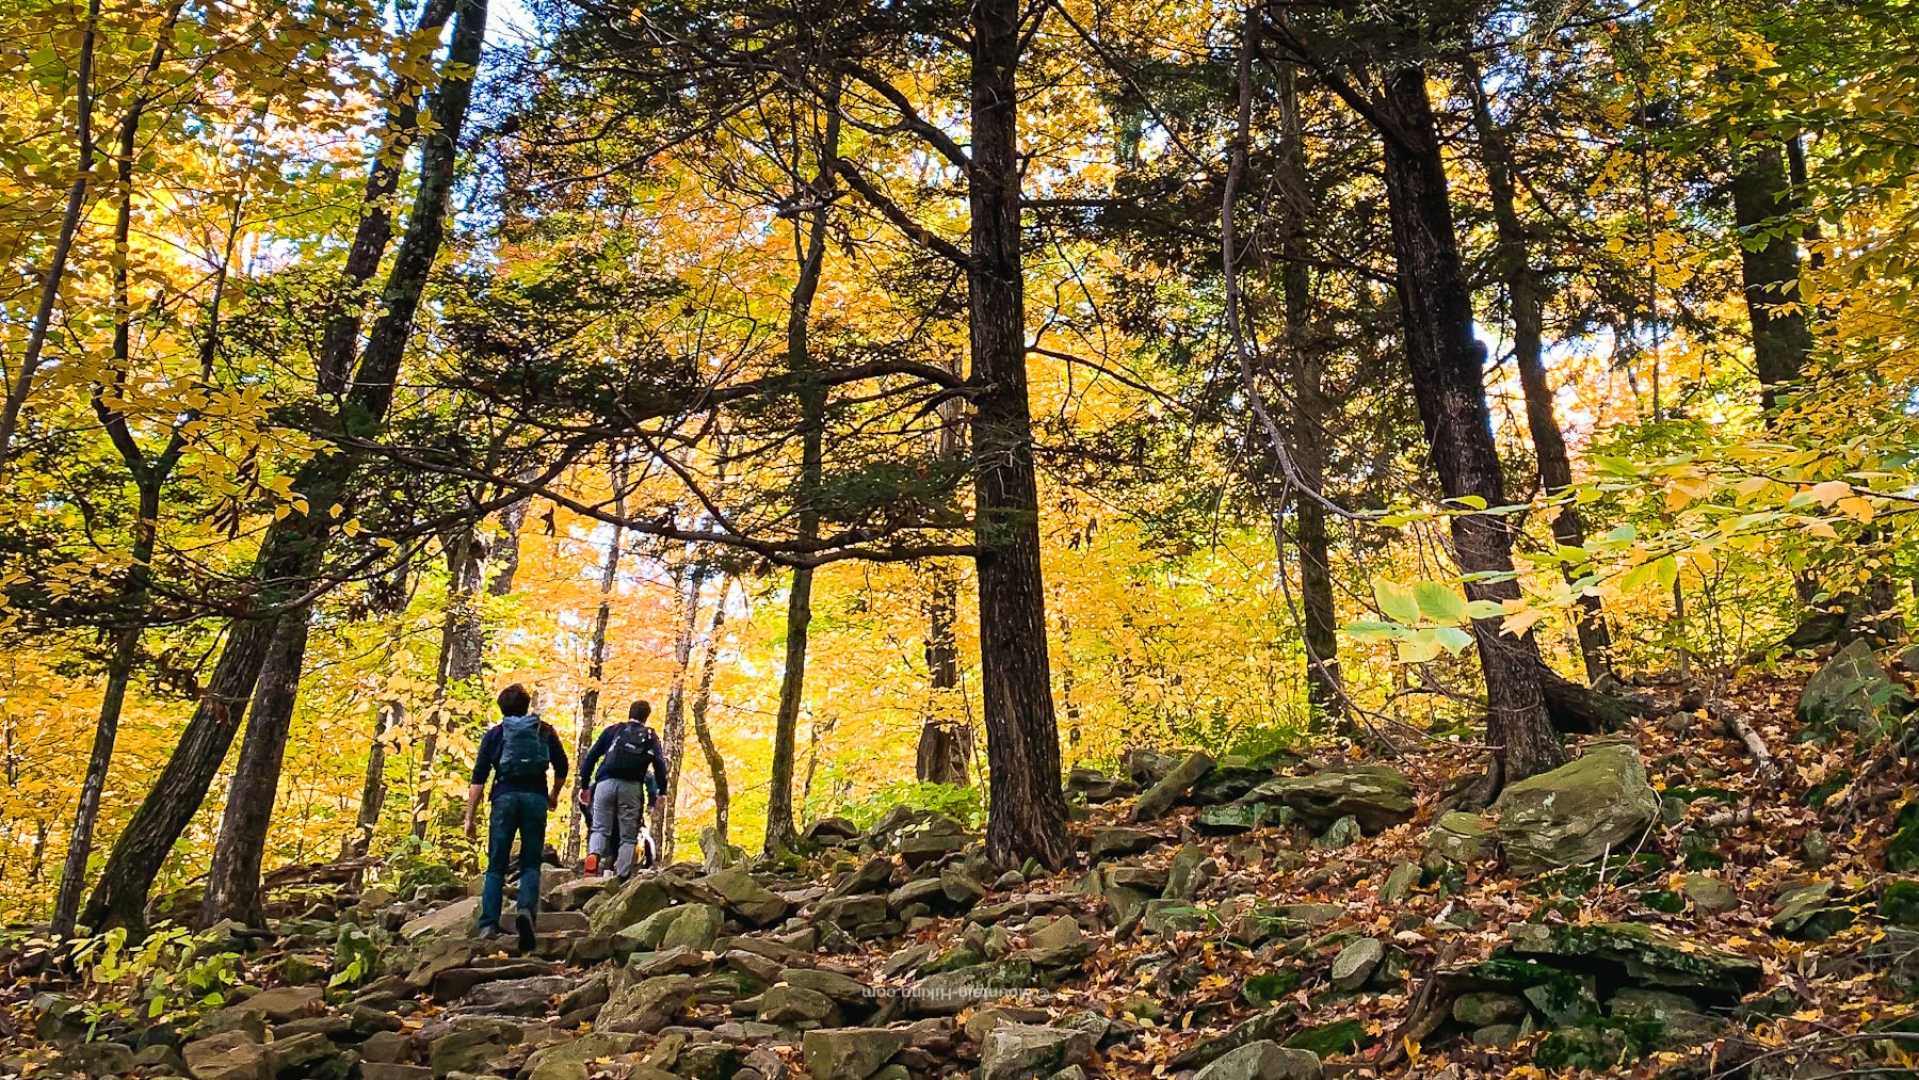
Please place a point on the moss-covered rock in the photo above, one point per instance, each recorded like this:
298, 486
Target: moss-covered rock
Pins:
1377, 796
1851, 691
1578, 812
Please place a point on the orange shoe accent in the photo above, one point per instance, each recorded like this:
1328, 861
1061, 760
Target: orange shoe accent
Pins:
592, 863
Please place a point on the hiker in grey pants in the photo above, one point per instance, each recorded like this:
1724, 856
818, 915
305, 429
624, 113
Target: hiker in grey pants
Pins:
630, 767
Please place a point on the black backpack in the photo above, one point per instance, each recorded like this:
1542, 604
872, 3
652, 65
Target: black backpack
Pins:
631, 752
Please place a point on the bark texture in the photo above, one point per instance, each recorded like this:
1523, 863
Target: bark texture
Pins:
1769, 265
1027, 817
291, 552
1446, 367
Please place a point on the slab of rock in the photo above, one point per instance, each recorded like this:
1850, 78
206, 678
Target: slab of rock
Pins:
229, 1055
1108, 843
1240, 817
752, 902
1160, 798
921, 848
696, 928
1148, 767
830, 831
516, 997
1263, 1060
1852, 691
786, 1004
645, 894
850, 1053
1578, 812
1378, 796
567, 1060
1400, 882
1027, 1051
455, 918
1648, 956
873, 875
1357, 962
647, 1005
276, 1006
1097, 786
1461, 837
1709, 894
471, 1044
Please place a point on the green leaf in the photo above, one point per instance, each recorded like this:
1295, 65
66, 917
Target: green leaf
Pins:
1370, 630
1484, 609
1471, 502
1667, 570
1396, 600
1452, 638
1439, 603
1420, 647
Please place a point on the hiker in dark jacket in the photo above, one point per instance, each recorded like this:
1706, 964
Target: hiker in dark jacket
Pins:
516, 752
632, 773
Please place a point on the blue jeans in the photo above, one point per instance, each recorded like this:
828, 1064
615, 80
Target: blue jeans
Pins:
521, 813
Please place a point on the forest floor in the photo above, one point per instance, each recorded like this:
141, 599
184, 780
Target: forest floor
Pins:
1357, 946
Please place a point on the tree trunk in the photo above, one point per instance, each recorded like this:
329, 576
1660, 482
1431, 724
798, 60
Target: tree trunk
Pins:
946, 744
1028, 813
1446, 368
22, 385
1320, 635
291, 552
596, 657
1526, 295
780, 830
1781, 340
387, 719
462, 656
702, 700
673, 729
233, 880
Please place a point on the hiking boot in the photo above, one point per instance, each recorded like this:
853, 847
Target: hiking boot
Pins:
523, 922
592, 863
488, 932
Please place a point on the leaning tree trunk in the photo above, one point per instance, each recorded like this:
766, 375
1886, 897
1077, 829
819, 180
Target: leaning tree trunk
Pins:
703, 700
1781, 339
780, 830
462, 657
1526, 295
1448, 381
1324, 693
1028, 813
291, 553
233, 881
673, 729
388, 718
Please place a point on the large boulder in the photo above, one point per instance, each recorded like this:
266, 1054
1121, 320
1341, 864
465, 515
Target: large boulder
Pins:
647, 1005
1460, 837
1160, 798
567, 1060
1576, 813
850, 1053
745, 897
455, 918
645, 894
1644, 955
229, 1055
1852, 691
1377, 796
1028, 1051
1263, 1060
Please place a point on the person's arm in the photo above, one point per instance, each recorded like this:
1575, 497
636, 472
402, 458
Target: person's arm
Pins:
483, 763
593, 756
556, 756
659, 771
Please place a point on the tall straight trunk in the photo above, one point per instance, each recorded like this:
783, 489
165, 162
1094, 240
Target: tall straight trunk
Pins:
702, 701
596, 657
233, 880
387, 719
946, 745
673, 729
1308, 415
293, 547
1526, 295
1028, 812
462, 653
780, 830
16, 392
1781, 339
1448, 381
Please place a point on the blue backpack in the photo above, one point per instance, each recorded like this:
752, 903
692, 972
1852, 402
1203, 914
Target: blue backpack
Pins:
523, 753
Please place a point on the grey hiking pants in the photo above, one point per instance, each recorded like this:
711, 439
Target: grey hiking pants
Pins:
619, 808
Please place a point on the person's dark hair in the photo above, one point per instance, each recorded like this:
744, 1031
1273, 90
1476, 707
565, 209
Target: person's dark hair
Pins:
639, 710
515, 701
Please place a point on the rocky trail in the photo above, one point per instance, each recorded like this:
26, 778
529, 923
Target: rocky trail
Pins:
1656, 907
